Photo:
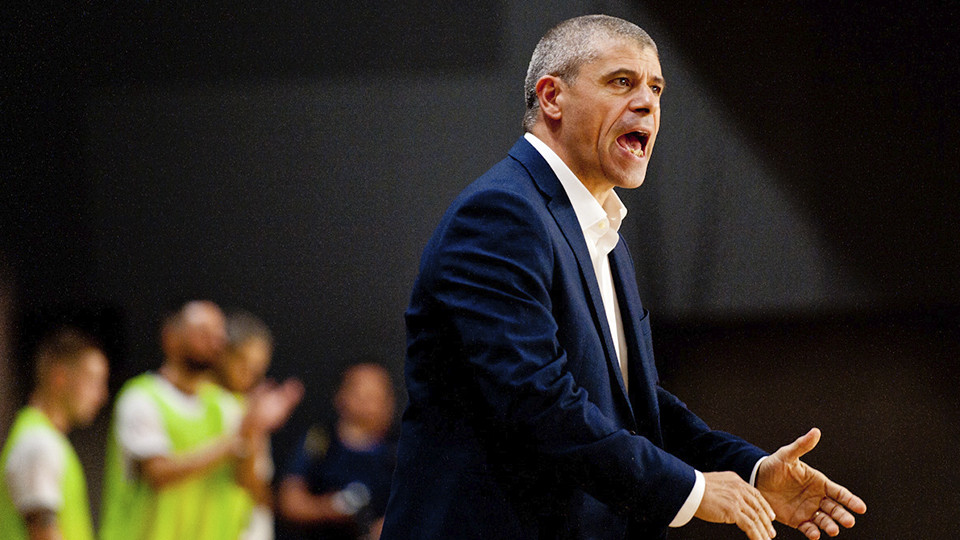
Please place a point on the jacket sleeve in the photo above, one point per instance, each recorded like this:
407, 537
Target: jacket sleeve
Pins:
689, 438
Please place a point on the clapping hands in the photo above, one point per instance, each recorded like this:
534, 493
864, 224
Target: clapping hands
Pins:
270, 404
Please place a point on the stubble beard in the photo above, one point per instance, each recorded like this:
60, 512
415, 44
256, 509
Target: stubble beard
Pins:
196, 366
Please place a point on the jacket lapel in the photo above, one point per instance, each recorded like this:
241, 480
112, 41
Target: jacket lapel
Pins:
559, 206
641, 367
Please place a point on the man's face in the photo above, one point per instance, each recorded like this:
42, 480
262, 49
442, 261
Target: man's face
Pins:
87, 387
610, 116
204, 336
366, 399
244, 366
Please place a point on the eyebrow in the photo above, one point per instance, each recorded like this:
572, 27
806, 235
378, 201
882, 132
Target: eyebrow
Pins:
655, 79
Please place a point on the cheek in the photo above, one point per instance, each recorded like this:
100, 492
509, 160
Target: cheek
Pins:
82, 398
96, 393
91, 393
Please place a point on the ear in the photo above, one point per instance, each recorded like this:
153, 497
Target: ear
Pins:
549, 89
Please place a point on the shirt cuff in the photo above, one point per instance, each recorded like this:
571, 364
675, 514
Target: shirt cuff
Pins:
753, 475
690, 507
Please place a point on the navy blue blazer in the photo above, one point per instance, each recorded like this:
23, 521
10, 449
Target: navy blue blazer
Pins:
518, 425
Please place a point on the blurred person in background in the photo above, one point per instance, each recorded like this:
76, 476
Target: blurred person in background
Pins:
242, 372
339, 481
43, 495
172, 458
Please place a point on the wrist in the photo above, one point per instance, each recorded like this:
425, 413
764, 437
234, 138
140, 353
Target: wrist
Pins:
757, 471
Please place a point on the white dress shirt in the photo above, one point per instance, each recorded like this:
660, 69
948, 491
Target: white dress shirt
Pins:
601, 226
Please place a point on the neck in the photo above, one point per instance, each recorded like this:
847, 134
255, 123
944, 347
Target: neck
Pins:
600, 194
50, 408
357, 437
183, 379
550, 137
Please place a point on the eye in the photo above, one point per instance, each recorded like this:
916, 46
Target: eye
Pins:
622, 81
657, 89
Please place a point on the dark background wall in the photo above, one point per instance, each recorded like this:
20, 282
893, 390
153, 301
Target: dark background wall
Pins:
796, 236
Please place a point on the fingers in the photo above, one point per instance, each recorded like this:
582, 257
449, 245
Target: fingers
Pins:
809, 530
766, 508
826, 520
803, 444
755, 519
267, 385
294, 390
764, 514
753, 531
843, 496
756, 523
826, 523
728, 499
838, 513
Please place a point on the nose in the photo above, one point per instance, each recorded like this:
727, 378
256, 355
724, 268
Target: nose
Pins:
644, 101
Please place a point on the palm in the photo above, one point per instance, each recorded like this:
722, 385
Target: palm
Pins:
803, 497
271, 404
794, 490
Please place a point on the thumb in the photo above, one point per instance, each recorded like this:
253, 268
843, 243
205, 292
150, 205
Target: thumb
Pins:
799, 447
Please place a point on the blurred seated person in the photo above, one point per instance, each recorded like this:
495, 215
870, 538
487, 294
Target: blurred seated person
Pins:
339, 481
242, 371
43, 493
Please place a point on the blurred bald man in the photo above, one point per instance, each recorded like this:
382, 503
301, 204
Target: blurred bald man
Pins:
172, 456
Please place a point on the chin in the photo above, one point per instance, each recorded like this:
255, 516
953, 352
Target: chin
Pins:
638, 180
626, 175
632, 181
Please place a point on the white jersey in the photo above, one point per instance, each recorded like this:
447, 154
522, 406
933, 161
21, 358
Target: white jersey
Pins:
34, 471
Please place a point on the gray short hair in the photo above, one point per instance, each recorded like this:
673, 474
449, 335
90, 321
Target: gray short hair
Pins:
568, 46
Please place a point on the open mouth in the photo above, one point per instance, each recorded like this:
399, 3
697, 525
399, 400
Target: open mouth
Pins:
635, 142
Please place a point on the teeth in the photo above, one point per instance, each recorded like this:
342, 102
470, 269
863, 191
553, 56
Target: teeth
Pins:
637, 152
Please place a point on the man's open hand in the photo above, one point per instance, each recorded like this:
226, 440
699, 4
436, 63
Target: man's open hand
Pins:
803, 497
